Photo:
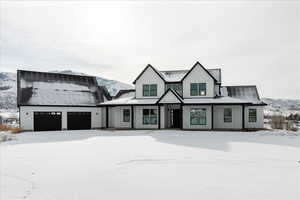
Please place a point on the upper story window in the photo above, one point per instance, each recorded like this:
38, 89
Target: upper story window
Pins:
227, 115
198, 89
126, 115
175, 86
149, 90
198, 116
252, 115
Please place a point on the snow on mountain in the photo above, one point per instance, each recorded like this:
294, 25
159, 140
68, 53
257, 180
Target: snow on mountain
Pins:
8, 88
282, 106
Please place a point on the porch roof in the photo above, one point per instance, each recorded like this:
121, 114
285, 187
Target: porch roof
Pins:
201, 101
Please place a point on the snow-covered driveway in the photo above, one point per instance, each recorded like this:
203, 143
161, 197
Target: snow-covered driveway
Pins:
143, 165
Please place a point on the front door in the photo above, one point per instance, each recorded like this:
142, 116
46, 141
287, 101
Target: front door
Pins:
176, 118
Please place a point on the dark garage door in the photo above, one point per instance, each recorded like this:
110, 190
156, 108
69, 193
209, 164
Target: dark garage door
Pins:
79, 120
47, 121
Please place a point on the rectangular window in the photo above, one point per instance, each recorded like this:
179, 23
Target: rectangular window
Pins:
227, 115
198, 89
126, 115
146, 90
149, 116
175, 86
252, 115
198, 116
149, 90
153, 90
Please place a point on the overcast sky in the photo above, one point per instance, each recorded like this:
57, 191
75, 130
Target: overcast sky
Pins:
253, 43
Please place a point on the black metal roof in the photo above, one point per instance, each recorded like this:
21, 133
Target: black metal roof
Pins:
55, 89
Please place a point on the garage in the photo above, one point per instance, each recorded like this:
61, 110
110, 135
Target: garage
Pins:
47, 121
78, 120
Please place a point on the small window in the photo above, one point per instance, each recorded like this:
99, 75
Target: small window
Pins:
198, 89
198, 116
153, 90
126, 115
252, 115
227, 115
146, 90
149, 116
149, 90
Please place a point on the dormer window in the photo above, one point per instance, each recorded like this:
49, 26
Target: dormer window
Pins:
149, 90
198, 89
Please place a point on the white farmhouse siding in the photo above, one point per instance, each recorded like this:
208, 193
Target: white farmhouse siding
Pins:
149, 77
111, 117
198, 75
116, 117
162, 117
138, 118
103, 117
27, 115
169, 98
259, 118
186, 118
237, 113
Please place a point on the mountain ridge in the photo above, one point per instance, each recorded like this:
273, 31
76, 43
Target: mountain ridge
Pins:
8, 93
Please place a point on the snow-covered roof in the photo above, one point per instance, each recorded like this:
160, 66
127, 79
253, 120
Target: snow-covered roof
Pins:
173, 76
130, 101
248, 92
40, 88
177, 75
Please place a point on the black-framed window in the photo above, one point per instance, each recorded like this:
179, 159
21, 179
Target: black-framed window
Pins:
149, 90
252, 115
198, 116
175, 86
198, 89
149, 116
126, 115
227, 115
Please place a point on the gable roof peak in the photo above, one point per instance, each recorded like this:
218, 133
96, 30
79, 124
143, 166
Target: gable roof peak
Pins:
198, 63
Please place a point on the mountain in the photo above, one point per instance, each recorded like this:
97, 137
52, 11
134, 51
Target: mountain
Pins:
8, 88
282, 106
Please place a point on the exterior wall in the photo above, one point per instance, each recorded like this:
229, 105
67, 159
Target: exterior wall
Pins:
260, 117
138, 118
217, 89
186, 118
103, 117
162, 117
237, 121
116, 117
169, 98
149, 77
26, 115
198, 75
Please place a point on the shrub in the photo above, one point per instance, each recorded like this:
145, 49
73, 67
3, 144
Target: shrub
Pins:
15, 130
4, 128
10, 129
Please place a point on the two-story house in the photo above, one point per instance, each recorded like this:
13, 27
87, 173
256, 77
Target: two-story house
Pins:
185, 99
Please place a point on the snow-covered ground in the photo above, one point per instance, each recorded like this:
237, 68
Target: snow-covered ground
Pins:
144, 165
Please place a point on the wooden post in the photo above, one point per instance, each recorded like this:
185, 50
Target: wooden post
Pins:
132, 117
212, 117
243, 116
106, 116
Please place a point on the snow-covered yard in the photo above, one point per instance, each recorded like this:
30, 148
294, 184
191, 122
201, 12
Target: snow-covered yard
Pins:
142, 165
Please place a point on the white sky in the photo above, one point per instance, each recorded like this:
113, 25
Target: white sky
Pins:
253, 43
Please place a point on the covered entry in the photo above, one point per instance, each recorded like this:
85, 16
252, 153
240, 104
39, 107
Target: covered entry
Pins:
47, 121
78, 120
